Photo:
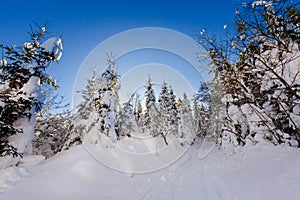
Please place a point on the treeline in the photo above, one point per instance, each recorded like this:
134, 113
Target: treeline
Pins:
254, 96
100, 112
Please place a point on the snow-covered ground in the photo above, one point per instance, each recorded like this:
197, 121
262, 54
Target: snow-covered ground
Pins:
254, 172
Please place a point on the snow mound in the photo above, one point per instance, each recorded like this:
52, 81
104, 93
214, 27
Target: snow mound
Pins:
10, 175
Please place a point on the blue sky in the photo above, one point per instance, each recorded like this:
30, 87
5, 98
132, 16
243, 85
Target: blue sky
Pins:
85, 24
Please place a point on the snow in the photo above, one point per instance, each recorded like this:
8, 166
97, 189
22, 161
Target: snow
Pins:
10, 175
3, 62
23, 141
2, 104
261, 3
28, 45
253, 172
53, 45
32, 88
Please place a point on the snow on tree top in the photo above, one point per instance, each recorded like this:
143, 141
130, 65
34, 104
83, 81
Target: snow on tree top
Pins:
53, 45
3, 63
261, 3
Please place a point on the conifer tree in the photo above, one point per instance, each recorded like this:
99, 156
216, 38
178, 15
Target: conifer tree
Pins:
86, 118
186, 134
22, 73
197, 117
107, 100
138, 112
150, 104
172, 112
164, 106
126, 119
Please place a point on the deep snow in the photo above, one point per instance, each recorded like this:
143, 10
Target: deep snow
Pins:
253, 172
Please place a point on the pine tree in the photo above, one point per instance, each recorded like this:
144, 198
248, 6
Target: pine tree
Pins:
168, 112
152, 119
186, 134
138, 113
197, 115
127, 123
202, 109
164, 106
172, 112
150, 104
203, 94
107, 100
86, 118
22, 72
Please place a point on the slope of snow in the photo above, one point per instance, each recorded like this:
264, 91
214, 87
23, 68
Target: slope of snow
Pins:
254, 172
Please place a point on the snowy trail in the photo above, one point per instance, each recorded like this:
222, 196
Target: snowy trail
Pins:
254, 173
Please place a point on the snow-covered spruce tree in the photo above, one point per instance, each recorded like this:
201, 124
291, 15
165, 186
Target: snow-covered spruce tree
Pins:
172, 112
138, 113
202, 109
53, 124
152, 116
260, 73
107, 100
167, 109
150, 102
186, 133
86, 118
197, 117
126, 119
203, 94
22, 71
163, 107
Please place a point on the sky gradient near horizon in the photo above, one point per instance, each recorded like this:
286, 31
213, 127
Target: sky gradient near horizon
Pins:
84, 24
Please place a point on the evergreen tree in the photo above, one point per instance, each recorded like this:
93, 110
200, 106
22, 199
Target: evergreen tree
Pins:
152, 117
203, 94
86, 118
150, 101
150, 104
197, 115
168, 112
107, 100
22, 73
172, 112
138, 113
126, 119
185, 134
202, 109
164, 106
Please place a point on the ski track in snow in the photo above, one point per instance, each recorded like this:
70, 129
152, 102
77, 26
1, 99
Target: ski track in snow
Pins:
262, 172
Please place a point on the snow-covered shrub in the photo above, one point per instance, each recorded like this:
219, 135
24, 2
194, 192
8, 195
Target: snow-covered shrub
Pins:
53, 124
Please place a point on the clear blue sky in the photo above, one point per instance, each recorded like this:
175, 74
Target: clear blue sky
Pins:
85, 24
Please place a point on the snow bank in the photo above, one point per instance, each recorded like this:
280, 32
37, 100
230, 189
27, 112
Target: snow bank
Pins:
10, 175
